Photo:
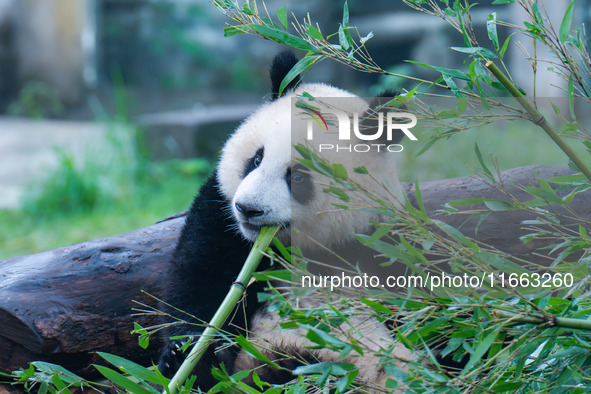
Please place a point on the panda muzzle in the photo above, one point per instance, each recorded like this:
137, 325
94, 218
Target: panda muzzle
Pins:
249, 212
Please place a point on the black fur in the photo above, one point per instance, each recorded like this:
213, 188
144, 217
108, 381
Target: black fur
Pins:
209, 254
253, 162
300, 184
282, 64
388, 93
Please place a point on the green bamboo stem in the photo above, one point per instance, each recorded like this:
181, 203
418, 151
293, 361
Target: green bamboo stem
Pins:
537, 118
566, 322
232, 298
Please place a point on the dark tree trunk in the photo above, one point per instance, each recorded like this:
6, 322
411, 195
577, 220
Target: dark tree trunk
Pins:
64, 304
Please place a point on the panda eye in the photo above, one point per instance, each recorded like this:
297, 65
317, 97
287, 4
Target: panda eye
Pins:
254, 162
296, 175
299, 175
297, 178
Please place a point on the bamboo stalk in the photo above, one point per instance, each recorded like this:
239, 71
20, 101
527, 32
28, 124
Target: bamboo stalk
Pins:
566, 322
232, 298
537, 118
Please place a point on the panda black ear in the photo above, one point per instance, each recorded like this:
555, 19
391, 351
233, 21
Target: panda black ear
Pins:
370, 121
388, 94
282, 64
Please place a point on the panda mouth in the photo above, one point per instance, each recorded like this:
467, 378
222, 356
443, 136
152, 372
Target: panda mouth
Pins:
257, 227
251, 227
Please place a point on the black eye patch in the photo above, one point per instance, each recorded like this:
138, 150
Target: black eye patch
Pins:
299, 182
253, 162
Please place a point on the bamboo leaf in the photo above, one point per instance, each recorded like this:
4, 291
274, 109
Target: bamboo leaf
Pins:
314, 33
338, 193
282, 16
462, 27
486, 53
345, 27
302, 65
339, 171
379, 233
232, 31
571, 97
491, 28
481, 349
224, 4
502, 264
567, 178
60, 385
376, 306
132, 368
505, 46
253, 351
566, 22
426, 147
544, 194
323, 338
497, 205
123, 381
343, 42
247, 10
508, 387
443, 70
364, 39
282, 37
361, 170
452, 85
419, 198
481, 161
344, 382
456, 234
537, 15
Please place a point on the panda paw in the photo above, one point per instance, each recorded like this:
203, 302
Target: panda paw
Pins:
172, 356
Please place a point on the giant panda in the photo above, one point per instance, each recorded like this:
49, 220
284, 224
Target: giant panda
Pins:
254, 186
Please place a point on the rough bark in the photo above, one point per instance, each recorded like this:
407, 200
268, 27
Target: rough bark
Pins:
64, 304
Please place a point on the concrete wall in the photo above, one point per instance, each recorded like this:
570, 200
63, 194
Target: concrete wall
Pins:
54, 44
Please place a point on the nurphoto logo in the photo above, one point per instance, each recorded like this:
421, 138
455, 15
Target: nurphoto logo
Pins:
394, 121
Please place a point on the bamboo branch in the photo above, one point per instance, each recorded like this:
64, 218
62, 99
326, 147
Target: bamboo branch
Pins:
537, 118
552, 320
225, 309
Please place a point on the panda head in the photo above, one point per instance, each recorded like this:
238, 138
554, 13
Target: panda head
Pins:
266, 187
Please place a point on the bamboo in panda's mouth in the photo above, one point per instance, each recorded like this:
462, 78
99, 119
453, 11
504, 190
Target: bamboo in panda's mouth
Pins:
234, 296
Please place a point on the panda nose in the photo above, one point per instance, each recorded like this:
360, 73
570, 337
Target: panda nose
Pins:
249, 212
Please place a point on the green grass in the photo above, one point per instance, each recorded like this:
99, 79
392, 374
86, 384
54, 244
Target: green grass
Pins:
25, 232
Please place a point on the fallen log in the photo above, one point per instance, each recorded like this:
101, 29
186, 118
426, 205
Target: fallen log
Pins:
64, 304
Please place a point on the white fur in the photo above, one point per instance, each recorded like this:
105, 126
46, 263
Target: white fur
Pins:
371, 336
265, 187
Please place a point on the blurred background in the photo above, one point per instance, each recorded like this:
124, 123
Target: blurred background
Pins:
112, 112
